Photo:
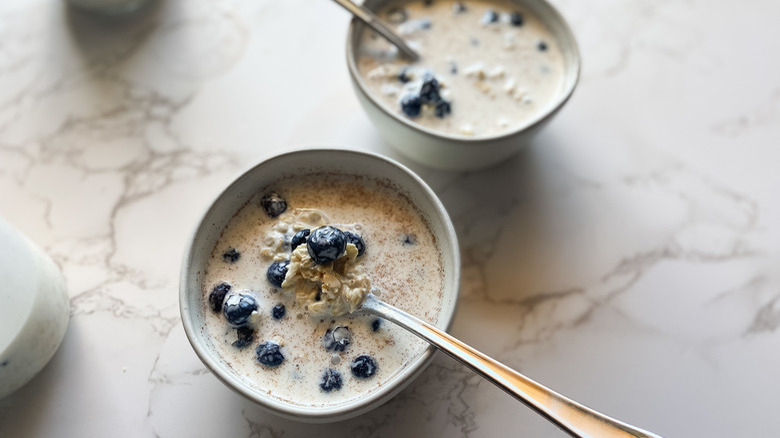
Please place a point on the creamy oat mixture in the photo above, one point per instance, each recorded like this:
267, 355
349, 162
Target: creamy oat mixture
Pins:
486, 67
401, 263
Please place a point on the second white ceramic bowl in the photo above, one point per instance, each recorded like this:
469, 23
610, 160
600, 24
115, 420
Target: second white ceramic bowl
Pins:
215, 219
458, 152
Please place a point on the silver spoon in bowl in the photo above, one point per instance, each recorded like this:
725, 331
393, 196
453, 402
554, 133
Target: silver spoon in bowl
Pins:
368, 17
574, 418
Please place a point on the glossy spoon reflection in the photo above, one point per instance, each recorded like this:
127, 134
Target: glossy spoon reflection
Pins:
572, 417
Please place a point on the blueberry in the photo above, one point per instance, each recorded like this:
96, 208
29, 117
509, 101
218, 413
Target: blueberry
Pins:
458, 8
278, 311
442, 109
363, 367
542, 46
326, 244
516, 19
299, 237
217, 296
269, 354
376, 324
273, 204
331, 379
403, 75
238, 309
277, 271
490, 16
357, 241
337, 339
231, 255
411, 105
246, 335
410, 239
429, 92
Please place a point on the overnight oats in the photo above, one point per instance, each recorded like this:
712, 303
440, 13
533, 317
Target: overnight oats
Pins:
293, 264
485, 68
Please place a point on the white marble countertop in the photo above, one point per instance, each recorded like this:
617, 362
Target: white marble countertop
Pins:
629, 259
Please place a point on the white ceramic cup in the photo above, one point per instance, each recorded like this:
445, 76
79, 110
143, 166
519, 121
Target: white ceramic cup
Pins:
237, 194
34, 309
458, 152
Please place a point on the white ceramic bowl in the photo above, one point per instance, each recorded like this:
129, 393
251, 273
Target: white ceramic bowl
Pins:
215, 219
458, 152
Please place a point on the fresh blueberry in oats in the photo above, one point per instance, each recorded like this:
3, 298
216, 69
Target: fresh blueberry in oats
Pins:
277, 271
516, 19
542, 46
269, 354
442, 108
409, 239
356, 240
403, 75
299, 238
458, 8
278, 311
326, 244
337, 339
429, 91
376, 324
331, 379
217, 296
238, 309
363, 367
273, 204
245, 335
490, 16
231, 255
411, 105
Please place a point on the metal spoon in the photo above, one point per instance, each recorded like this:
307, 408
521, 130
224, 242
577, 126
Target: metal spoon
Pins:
574, 418
379, 26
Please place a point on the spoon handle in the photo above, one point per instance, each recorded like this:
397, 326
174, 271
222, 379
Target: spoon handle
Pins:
368, 17
572, 417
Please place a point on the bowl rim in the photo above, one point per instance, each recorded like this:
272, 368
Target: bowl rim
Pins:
572, 79
354, 407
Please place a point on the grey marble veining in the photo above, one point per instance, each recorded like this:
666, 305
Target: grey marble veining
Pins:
629, 259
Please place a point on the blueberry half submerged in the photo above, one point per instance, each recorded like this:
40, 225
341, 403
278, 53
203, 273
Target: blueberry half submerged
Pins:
429, 91
299, 238
269, 354
245, 336
231, 255
273, 204
277, 271
326, 244
278, 311
516, 19
217, 296
363, 367
356, 240
411, 105
337, 339
238, 309
331, 379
